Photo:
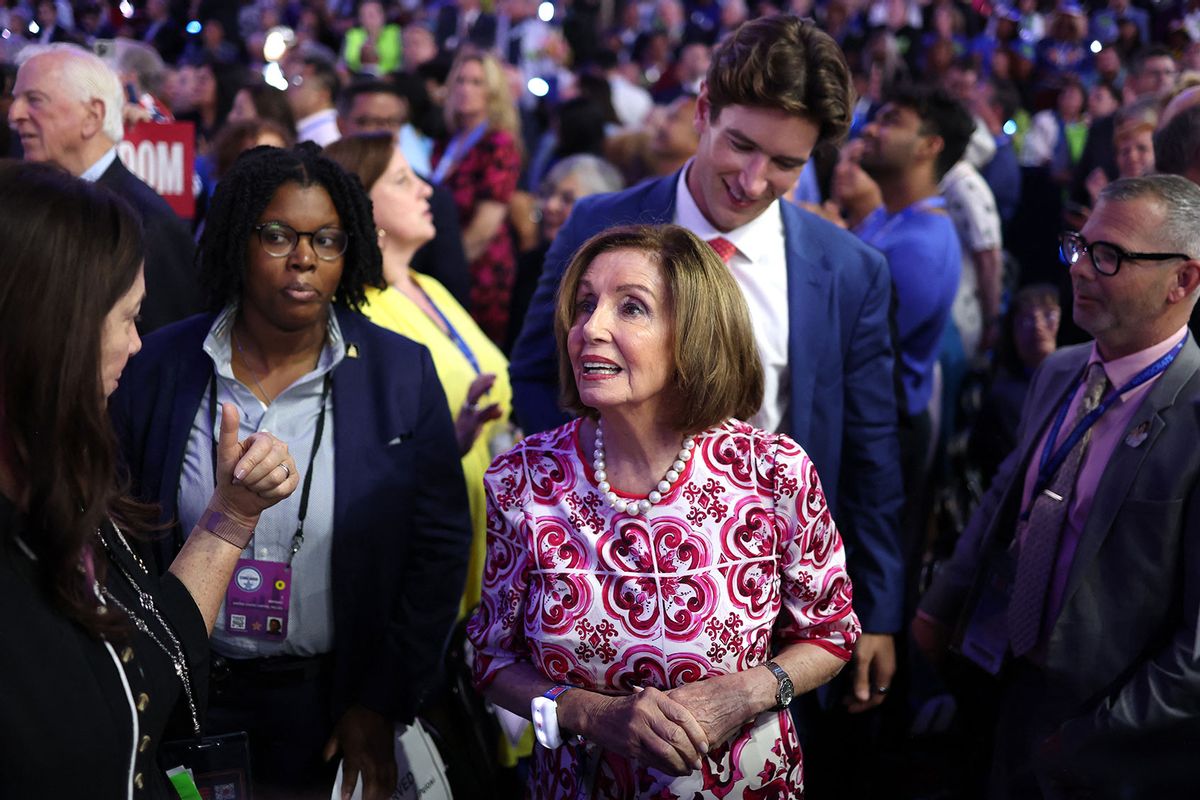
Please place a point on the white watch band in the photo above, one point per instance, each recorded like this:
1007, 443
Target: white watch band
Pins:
544, 712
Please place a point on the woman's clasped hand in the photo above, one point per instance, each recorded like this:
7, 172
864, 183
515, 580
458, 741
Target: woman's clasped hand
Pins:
649, 727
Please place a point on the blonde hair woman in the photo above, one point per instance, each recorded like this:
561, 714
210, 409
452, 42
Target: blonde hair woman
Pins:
480, 163
472, 370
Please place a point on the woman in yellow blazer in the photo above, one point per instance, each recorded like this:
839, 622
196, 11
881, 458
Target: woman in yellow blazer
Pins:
473, 371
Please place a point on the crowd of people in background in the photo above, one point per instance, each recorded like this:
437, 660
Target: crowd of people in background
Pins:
926, 204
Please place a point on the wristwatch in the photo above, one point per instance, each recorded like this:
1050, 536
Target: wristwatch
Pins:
785, 692
544, 712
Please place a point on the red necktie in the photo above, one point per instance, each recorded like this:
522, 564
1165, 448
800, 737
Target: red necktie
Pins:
723, 247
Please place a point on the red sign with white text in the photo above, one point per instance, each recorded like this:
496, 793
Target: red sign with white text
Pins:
162, 154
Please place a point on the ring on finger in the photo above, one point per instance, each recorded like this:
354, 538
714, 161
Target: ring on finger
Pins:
286, 469
881, 690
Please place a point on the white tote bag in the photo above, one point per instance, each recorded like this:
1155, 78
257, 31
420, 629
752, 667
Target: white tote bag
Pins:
420, 771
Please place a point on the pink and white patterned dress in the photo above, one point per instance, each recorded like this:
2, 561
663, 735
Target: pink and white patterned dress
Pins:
740, 559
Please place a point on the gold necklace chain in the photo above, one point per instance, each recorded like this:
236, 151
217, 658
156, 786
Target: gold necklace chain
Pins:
253, 372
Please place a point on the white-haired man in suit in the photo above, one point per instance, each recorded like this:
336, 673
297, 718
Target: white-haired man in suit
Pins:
67, 109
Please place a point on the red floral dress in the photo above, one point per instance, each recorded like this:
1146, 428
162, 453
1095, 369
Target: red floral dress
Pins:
488, 171
740, 558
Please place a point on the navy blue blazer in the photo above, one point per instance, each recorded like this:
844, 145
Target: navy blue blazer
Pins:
172, 290
401, 527
842, 408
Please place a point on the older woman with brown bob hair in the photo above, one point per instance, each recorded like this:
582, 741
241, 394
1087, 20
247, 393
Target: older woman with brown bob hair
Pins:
661, 578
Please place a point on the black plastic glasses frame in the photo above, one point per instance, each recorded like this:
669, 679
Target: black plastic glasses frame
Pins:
1070, 240
284, 228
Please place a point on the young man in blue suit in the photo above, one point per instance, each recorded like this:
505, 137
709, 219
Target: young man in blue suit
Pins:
818, 297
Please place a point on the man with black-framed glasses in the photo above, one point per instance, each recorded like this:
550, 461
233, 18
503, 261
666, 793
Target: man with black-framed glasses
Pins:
1106, 257
1077, 582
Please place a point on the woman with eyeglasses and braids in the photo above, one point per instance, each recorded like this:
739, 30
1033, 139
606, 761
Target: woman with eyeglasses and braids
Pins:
333, 628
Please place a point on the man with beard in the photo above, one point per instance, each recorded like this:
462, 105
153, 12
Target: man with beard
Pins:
1075, 582
907, 148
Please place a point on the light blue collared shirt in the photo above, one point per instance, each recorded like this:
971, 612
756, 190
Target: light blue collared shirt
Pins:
292, 417
417, 149
93, 173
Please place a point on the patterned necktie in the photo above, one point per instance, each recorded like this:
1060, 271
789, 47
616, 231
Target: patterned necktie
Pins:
724, 248
1043, 531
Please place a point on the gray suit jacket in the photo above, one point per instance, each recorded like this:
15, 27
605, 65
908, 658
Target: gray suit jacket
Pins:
1122, 661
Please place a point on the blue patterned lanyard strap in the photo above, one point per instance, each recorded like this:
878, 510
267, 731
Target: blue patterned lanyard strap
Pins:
458, 147
451, 331
1053, 458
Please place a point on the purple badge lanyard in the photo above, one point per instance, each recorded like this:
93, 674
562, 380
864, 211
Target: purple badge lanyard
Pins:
455, 150
1052, 459
298, 537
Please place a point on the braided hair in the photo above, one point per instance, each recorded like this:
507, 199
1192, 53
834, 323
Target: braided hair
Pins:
247, 189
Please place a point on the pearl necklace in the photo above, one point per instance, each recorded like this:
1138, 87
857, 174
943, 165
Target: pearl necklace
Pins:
663, 488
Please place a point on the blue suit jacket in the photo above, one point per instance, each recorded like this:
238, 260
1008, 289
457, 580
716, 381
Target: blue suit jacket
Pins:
401, 530
842, 407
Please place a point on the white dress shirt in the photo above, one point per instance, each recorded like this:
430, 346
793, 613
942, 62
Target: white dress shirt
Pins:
93, 173
631, 102
321, 127
760, 268
972, 206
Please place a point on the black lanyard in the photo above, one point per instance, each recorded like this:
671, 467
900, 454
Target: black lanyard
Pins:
1053, 458
327, 385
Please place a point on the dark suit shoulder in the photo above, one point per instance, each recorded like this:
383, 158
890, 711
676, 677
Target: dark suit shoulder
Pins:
1071, 355
635, 205
361, 332
147, 201
164, 352
1066, 359
640, 205
184, 336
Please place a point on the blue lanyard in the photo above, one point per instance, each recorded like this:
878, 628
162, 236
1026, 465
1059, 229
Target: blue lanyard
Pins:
457, 148
454, 335
1050, 462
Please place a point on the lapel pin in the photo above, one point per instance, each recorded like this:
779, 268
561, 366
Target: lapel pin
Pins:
351, 350
1138, 435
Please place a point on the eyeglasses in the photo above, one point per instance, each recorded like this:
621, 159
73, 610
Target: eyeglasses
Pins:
1106, 256
279, 240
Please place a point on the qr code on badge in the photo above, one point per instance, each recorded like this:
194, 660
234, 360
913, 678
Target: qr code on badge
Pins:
237, 622
225, 791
